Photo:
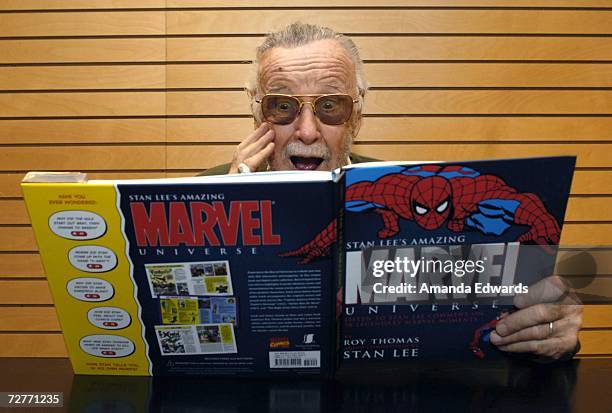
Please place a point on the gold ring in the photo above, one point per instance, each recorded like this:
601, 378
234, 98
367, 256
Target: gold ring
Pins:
550, 329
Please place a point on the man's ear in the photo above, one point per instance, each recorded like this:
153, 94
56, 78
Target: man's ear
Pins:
358, 113
357, 123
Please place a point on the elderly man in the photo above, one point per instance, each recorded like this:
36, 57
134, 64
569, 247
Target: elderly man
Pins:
307, 99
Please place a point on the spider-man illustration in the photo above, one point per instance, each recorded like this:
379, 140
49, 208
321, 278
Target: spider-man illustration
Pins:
434, 195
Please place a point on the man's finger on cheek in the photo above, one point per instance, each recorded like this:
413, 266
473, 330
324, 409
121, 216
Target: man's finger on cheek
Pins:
250, 146
261, 130
527, 317
255, 135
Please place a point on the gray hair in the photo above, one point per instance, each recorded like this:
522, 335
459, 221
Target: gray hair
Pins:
300, 34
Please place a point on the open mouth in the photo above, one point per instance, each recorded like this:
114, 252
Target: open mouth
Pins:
305, 164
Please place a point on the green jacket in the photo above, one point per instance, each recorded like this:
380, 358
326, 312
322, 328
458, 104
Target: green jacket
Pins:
224, 169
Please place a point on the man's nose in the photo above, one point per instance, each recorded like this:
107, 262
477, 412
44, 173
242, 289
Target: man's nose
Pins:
307, 127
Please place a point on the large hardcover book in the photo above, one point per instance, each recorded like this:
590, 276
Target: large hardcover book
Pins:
243, 275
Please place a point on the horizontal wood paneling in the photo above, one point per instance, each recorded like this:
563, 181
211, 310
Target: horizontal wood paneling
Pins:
17, 239
435, 128
119, 4
587, 234
434, 102
589, 209
597, 316
82, 158
387, 3
393, 21
380, 102
587, 263
196, 157
82, 24
25, 292
484, 102
443, 48
77, 131
32, 345
579, 209
82, 50
34, 319
488, 75
592, 182
13, 212
82, 104
242, 49
21, 265
467, 75
491, 102
595, 342
79, 4
439, 128
82, 77
589, 286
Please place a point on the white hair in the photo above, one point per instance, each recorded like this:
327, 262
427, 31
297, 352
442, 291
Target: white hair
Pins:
299, 34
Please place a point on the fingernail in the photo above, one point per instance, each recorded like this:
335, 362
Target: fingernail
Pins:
501, 329
495, 338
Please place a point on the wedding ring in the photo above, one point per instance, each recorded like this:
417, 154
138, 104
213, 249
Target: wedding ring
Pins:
243, 168
550, 329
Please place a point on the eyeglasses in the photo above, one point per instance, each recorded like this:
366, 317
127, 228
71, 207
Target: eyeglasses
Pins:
332, 109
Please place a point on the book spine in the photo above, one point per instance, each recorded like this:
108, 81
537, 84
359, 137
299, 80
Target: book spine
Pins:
339, 264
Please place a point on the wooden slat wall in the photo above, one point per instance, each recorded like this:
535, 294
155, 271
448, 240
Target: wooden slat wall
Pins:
153, 88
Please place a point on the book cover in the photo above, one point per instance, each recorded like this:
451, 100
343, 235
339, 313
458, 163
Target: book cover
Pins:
501, 213
179, 277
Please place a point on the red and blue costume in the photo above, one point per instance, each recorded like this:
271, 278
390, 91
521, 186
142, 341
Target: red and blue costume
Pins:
432, 196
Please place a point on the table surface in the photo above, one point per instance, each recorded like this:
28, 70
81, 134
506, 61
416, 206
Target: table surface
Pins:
576, 386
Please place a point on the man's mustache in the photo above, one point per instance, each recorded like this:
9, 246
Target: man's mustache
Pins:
316, 150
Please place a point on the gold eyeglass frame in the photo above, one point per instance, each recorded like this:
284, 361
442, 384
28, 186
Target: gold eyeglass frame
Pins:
311, 103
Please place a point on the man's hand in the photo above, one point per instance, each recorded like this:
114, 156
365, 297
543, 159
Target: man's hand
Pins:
255, 149
528, 330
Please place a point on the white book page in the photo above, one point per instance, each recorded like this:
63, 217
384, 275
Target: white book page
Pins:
257, 177
387, 163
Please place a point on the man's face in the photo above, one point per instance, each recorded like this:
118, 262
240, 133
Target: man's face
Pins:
321, 67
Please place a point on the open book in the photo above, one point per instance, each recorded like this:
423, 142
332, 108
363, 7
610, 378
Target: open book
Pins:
242, 275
